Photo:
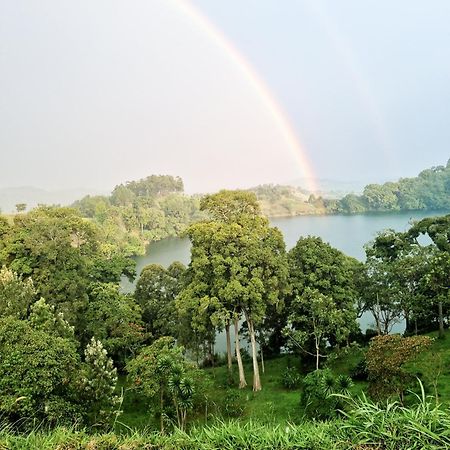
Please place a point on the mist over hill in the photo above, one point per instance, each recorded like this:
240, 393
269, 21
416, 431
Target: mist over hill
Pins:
33, 196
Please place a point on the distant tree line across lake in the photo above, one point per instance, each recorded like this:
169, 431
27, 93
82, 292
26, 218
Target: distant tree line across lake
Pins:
156, 207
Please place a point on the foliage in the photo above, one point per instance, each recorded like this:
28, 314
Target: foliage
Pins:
139, 212
406, 277
44, 317
61, 252
237, 267
155, 292
38, 374
165, 378
291, 378
98, 385
114, 319
318, 400
16, 294
430, 190
321, 305
393, 426
386, 358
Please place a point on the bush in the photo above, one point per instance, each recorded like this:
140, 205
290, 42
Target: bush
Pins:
318, 400
291, 378
359, 372
38, 375
233, 404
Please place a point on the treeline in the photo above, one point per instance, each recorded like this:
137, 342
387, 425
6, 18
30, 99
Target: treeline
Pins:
430, 190
139, 212
153, 208
66, 328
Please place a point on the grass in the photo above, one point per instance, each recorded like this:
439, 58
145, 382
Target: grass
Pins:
273, 405
271, 419
368, 426
278, 405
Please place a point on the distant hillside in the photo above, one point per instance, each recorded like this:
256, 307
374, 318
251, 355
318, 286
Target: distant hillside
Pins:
32, 196
139, 212
284, 201
329, 188
430, 190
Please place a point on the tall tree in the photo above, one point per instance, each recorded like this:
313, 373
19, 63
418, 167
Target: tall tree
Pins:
321, 277
431, 260
238, 266
155, 292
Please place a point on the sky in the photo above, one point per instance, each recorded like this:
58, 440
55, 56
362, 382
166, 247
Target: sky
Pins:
225, 94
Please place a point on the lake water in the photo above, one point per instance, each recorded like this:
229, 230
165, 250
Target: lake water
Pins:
348, 233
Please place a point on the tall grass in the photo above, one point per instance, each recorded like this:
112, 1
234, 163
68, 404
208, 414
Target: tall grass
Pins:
368, 426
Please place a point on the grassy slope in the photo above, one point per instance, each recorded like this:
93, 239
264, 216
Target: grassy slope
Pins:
275, 404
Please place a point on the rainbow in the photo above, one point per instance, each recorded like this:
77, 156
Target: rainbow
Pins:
279, 117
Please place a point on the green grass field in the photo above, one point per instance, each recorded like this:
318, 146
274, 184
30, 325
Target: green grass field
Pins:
278, 405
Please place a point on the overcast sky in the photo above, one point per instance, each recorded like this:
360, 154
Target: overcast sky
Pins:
97, 92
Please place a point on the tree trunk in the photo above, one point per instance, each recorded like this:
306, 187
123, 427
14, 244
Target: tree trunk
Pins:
317, 355
256, 378
441, 320
161, 406
262, 358
415, 327
229, 357
242, 382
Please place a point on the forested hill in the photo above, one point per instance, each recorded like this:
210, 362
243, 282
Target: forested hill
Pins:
285, 201
156, 207
430, 190
139, 212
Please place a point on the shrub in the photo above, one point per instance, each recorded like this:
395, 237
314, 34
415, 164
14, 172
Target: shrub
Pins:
359, 372
291, 378
318, 400
386, 358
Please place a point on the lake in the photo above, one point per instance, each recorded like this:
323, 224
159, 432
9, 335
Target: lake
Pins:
348, 233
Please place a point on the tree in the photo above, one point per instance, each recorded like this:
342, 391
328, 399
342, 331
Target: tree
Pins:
386, 358
426, 284
38, 375
318, 319
43, 317
230, 206
115, 320
21, 207
237, 267
16, 294
55, 247
98, 382
381, 295
321, 277
438, 278
155, 293
164, 377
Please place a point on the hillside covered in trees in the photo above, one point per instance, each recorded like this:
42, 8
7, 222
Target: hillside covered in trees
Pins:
139, 212
430, 190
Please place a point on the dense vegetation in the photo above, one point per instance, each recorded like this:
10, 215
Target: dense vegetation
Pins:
430, 190
76, 351
153, 208
139, 212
